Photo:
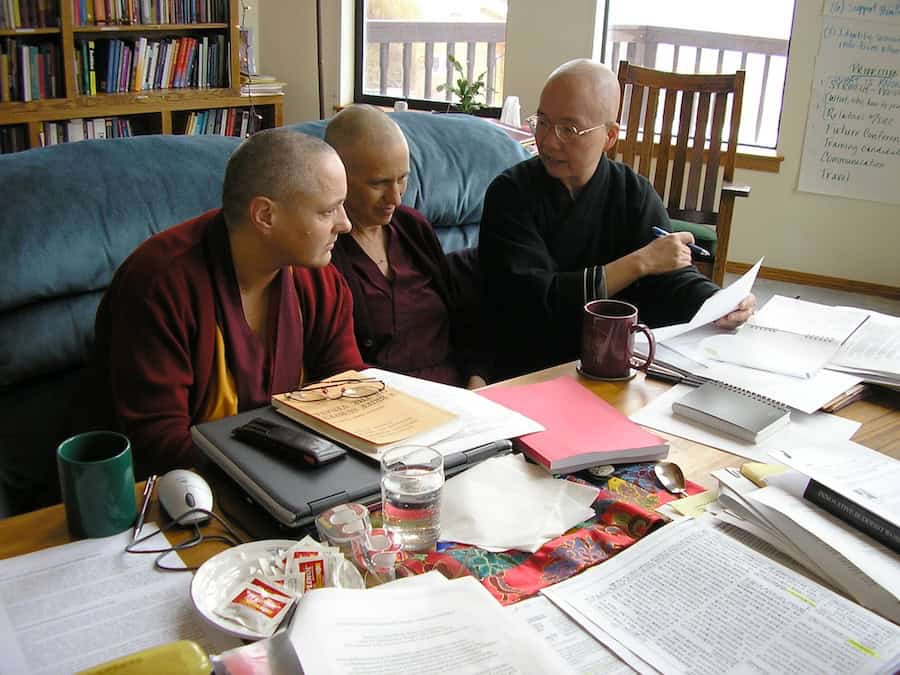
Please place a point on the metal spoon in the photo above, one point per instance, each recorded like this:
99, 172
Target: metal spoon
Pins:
670, 476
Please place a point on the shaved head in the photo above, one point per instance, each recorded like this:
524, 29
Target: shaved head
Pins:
581, 97
276, 163
376, 156
595, 81
362, 129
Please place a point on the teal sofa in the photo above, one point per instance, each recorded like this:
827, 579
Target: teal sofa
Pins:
72, 213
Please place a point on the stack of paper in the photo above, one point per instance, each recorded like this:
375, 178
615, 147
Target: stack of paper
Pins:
689, 598
803, 428
764, 357
829, 548
435, 627
873, 351
480, 421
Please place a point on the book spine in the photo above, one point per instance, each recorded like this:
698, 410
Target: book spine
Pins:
853, 514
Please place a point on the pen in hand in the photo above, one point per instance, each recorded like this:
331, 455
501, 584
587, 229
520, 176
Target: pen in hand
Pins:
147, 496
699, 250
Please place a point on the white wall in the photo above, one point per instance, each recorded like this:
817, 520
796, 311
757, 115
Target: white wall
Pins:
833, 236
808, 233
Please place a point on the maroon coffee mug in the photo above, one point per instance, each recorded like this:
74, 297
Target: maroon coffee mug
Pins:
607, 340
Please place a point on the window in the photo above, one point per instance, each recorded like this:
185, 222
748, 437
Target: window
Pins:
711, 36
402, 48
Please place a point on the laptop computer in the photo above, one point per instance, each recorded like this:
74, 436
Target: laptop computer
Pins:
293, 493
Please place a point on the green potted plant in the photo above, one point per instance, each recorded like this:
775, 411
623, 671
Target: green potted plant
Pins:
465, 90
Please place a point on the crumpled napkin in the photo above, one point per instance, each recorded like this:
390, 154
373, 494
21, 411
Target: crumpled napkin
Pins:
507, 503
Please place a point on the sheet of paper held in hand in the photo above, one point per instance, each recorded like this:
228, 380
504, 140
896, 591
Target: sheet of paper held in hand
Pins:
716, 306
381, 419
75, 606
690, 599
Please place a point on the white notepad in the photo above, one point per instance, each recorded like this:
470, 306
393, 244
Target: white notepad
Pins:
787, 336
773, 350
733, 411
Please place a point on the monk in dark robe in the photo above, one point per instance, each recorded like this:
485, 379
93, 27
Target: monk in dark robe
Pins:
213, 316
413, 306
571, 226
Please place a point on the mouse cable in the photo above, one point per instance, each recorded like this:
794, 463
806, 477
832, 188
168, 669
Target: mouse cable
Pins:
232, 539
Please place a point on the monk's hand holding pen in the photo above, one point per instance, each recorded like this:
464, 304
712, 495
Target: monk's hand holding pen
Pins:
667, 253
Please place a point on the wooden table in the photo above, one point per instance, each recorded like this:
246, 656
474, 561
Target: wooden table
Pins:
880, 417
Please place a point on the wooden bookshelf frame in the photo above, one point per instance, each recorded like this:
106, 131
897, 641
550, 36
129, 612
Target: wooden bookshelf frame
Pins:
161, 102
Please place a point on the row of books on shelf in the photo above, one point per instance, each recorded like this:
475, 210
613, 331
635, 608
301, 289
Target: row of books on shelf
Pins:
27, 14
69, 131
29, 72
99, 12
118, 66
223, 122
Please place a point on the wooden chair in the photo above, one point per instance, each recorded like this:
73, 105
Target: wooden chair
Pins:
705, 204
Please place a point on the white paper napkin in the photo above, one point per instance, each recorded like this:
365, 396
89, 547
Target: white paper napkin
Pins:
507, 503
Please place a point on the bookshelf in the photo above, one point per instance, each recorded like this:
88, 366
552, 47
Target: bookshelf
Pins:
135, 85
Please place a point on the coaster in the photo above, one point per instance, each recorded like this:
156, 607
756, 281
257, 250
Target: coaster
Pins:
631, 373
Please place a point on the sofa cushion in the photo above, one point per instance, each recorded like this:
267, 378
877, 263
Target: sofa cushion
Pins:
81, 224
89, 204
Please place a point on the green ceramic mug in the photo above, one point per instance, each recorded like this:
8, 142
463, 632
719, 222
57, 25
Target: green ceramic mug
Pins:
96, 475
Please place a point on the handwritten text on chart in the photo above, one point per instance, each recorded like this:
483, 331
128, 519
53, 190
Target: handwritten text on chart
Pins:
852, 145
857, 9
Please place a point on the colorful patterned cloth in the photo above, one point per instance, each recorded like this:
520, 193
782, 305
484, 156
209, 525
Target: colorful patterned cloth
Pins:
624, 513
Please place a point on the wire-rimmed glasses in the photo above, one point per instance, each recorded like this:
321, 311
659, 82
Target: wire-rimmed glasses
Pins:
331, 390
564, 132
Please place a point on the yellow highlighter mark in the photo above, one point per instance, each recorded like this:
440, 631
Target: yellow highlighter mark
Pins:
801, 597
865, 650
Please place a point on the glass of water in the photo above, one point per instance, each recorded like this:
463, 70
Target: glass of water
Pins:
412, 478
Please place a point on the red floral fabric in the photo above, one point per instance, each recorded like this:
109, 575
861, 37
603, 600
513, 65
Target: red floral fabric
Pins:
624, 513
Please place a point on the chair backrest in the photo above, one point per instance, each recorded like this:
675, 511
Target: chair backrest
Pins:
707, 106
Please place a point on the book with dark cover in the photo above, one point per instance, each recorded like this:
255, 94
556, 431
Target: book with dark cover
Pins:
840, 506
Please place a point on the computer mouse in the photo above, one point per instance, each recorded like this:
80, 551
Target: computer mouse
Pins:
180, 491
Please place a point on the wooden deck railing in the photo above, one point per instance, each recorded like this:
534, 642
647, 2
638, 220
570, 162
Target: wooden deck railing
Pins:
398, 67
663, 48
418, 81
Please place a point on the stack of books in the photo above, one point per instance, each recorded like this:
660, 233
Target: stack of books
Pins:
832, 509
261, 85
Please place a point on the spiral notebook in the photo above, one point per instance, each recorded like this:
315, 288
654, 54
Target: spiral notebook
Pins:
733, 411
787, 336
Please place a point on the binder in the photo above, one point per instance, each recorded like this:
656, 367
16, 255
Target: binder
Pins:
733, 411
